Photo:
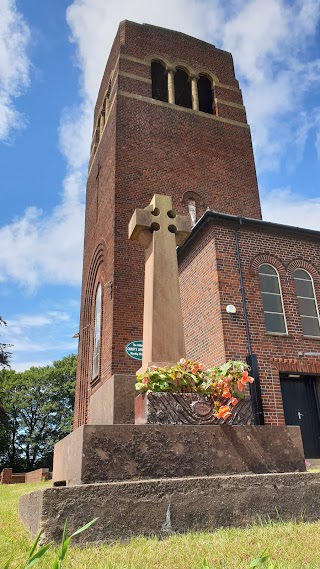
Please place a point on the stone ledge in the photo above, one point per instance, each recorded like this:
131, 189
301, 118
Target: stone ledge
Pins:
164, 506
102, 453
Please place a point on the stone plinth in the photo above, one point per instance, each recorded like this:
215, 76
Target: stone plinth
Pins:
101, 453
113, 402
158, 507
186, 409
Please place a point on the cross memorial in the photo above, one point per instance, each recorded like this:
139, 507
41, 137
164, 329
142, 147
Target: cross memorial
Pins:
160, 230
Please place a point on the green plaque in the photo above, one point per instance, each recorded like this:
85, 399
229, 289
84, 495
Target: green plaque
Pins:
134, 350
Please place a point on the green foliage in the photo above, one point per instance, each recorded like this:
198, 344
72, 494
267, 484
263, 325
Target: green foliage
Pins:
4, 354
57, 564
34, 557
263, 558
223, 384
38, 406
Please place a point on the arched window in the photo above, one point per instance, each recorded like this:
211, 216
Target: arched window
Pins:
97, 332
192, 207
272, 300
182, 89
205, 95
159, 81
307, 303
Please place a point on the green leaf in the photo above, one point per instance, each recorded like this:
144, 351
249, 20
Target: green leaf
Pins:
261, 560
64, 548
7, 563
35, 558
34, 545
84, 527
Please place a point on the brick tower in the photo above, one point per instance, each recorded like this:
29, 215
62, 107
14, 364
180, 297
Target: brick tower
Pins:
169, 119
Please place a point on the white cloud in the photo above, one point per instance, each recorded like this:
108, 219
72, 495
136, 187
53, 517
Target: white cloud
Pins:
38, 335
14, 65
38, 248
23, 366
284, 206
269, 42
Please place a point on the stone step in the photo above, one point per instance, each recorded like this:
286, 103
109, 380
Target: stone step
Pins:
174, 505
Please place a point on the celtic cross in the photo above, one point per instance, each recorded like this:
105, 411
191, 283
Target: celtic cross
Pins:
159, 230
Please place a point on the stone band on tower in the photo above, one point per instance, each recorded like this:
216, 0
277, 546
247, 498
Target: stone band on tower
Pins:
169, 119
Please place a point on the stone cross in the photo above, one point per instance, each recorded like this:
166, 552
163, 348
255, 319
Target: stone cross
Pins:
159, 230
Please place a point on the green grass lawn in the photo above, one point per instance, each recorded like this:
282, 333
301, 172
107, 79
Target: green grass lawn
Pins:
291, 545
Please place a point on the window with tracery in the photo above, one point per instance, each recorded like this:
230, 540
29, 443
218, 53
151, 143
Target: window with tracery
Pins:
307, 303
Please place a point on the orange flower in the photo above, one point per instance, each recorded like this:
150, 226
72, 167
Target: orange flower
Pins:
226, 393
234, 401
246, 379
240, 385
194, 368
145, 381
201, 367
245, 374
224, 412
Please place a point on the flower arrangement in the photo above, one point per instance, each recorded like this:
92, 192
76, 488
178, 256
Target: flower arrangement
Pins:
223, 384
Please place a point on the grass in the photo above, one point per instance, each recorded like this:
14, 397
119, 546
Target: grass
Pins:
291, 545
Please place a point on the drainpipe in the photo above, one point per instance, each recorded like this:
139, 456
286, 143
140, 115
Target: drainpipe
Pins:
252, 361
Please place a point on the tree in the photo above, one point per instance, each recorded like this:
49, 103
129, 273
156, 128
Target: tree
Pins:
38, 405
4, 355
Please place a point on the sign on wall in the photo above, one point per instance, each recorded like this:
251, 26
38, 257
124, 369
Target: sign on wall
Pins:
134, 350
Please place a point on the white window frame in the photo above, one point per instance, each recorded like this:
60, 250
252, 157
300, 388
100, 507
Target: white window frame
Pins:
307, 297
275, 293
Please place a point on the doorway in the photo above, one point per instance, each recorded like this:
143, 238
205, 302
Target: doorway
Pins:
301, 408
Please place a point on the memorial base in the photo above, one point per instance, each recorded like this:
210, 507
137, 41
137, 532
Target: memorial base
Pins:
102, 453
165, 506
113, 402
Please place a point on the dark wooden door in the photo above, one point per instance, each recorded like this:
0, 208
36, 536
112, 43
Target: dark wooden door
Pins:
300, 403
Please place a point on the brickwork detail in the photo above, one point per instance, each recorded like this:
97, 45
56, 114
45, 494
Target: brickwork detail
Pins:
286, 251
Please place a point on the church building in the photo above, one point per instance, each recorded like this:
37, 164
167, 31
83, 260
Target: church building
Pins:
170, 119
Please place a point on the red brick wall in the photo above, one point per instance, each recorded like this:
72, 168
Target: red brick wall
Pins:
148, 147
37, 475
285, 250
7, 477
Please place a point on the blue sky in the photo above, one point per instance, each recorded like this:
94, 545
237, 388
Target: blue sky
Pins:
52, 56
